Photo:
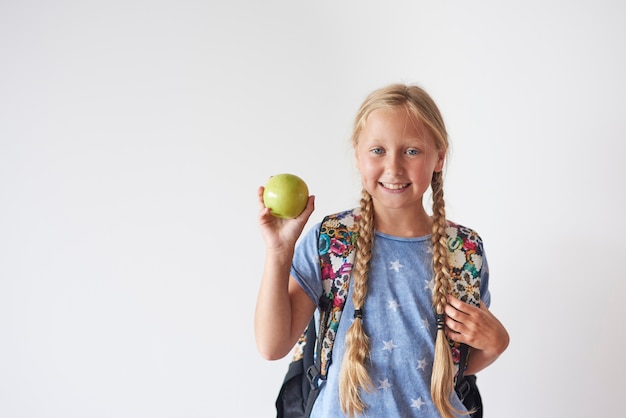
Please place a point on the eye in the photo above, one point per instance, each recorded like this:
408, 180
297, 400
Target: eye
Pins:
377, 151
412, 151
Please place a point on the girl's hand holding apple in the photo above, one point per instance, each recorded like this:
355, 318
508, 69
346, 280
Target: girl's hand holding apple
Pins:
285, 208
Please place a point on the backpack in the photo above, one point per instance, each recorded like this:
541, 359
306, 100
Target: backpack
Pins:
313, 351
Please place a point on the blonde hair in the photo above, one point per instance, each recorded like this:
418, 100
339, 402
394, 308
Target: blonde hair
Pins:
354, 376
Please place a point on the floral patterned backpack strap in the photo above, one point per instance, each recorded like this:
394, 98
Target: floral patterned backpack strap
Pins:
466, 262
337, 248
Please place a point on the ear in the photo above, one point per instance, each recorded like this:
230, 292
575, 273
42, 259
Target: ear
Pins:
441, 158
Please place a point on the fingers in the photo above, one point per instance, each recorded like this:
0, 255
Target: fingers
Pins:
457, 310
265, 214
260, 192
309, 208
475, 326
462, 320
461, 306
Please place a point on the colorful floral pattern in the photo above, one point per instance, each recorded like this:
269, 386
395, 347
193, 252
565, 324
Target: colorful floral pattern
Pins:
466, 260
338, 235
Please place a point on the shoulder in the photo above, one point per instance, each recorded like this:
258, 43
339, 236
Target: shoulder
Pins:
338, 233
460, 236
347, 219
456, 230
345, 216
467, 259
336, 224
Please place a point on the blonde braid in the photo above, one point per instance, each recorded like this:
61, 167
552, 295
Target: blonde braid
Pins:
354, 376
442, 379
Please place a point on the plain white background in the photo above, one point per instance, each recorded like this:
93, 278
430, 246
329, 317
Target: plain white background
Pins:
134, 135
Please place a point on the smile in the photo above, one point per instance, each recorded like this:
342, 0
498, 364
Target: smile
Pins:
393, 186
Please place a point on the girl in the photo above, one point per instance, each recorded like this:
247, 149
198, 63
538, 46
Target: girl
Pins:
392, 359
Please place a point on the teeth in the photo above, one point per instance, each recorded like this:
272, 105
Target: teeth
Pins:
394, 186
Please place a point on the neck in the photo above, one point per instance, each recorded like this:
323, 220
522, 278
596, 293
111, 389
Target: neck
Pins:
403, 223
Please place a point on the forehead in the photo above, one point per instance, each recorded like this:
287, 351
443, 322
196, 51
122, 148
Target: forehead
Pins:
393, 123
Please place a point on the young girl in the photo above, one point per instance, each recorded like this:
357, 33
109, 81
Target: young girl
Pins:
392, 359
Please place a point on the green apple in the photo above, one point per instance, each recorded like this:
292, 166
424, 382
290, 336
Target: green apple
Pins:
285, 195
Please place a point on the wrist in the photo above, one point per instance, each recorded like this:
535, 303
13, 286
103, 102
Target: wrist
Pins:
281, 254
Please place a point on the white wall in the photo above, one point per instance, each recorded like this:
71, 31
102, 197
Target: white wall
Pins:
134, 134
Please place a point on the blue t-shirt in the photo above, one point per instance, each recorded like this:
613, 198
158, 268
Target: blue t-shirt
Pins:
399, 320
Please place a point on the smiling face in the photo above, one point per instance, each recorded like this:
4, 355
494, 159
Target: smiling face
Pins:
396, 157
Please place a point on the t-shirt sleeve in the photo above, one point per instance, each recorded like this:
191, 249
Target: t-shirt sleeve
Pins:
305, 267
485, 295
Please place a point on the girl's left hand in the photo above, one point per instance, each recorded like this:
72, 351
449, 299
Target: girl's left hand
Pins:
478, 328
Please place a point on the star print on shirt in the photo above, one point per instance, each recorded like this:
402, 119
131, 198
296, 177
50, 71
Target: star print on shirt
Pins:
421, 364
389, 345
426, 324
384, 384
393, 305
395, 265
430, 284
417, 403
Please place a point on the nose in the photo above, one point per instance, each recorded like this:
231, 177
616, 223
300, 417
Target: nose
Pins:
394, 166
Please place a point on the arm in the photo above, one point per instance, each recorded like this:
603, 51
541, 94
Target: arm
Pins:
283, 309
478, 328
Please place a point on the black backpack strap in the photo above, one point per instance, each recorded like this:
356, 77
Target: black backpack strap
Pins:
313, 370
461, 385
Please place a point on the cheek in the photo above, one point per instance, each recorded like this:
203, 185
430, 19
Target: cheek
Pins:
433, 165
361, 162
433, 168
368, 172
424, 175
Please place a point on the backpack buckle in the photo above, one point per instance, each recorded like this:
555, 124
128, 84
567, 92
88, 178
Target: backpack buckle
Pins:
313, 374
463, 389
